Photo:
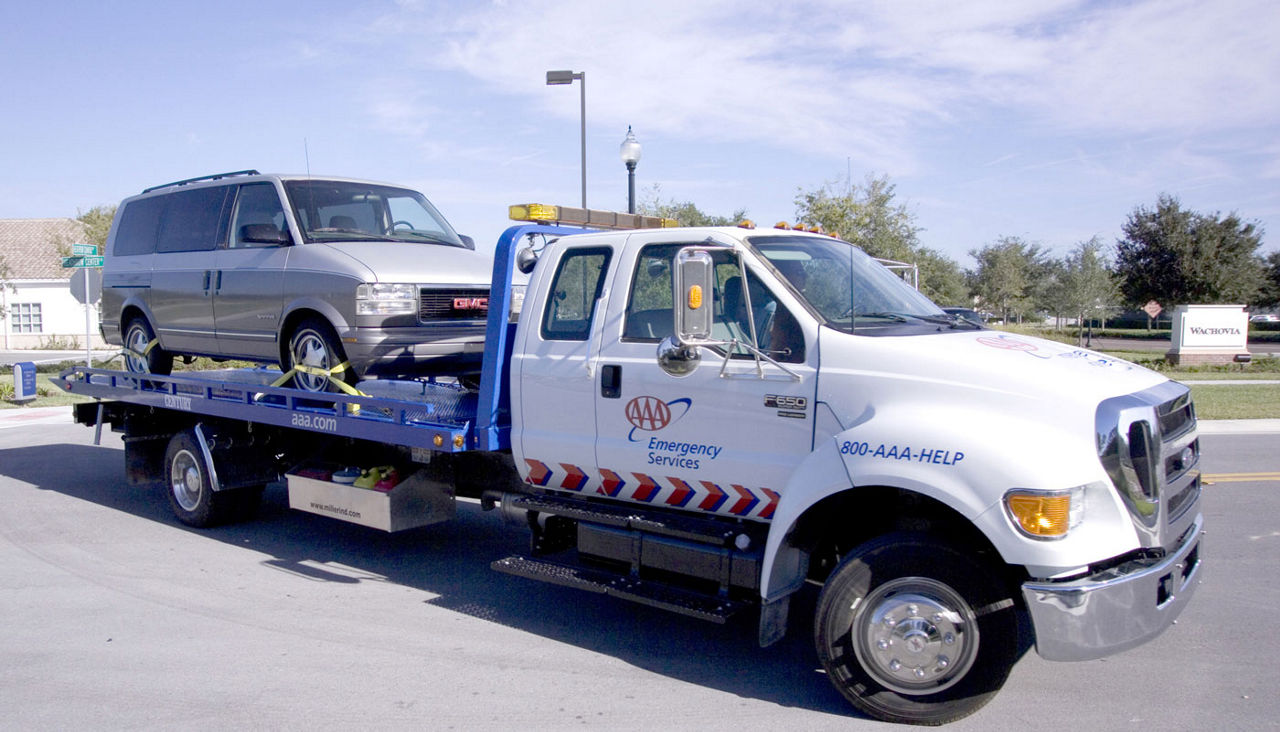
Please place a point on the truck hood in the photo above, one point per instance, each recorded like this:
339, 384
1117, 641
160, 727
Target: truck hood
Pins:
988, 368
416, 263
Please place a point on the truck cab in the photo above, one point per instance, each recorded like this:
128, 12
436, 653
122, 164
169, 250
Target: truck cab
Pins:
936, 477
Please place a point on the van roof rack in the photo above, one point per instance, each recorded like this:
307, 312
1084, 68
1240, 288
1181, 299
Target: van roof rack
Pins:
215, 176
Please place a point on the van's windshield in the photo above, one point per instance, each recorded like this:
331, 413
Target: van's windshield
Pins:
333, 211
848, 289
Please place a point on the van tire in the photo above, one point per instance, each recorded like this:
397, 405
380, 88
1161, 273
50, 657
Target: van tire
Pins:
912, 631
137, 337
313, 343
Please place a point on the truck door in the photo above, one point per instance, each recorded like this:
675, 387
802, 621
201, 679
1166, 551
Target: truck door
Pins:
722, 442
557, 373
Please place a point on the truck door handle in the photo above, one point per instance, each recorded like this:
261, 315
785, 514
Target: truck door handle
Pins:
207, 274
611, 381
218, 287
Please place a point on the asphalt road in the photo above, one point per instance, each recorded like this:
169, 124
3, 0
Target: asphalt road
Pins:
115, 616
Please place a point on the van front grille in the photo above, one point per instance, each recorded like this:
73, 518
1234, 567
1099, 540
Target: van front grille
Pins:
453, 303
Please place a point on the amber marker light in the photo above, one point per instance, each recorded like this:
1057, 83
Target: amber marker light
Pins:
695, 297
1038, 514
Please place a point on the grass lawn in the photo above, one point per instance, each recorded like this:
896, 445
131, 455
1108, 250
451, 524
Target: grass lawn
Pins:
1237, 401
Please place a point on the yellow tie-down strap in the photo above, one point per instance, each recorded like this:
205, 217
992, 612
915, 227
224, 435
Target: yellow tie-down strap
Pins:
328, 374
127, 351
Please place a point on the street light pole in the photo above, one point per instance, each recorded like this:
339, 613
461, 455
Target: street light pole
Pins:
630, 152
556, 78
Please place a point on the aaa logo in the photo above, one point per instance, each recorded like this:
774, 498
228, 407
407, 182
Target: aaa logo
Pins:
650, 414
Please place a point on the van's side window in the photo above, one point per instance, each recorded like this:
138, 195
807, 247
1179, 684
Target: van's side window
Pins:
139, 223
259, 217
574, 291
191, 218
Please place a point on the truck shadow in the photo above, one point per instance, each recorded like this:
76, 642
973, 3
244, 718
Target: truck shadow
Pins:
451, 561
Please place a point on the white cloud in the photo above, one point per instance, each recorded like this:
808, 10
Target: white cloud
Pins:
863, 80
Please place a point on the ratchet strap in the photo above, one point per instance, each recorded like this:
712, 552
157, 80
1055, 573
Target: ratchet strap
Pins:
329, 374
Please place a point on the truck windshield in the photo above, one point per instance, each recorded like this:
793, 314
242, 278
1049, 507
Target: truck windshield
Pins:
848, 289
332, 211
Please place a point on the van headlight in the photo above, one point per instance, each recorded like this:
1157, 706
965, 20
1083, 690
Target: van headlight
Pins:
1045, 514
381, 298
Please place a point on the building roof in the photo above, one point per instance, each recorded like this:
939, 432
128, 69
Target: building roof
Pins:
30, 247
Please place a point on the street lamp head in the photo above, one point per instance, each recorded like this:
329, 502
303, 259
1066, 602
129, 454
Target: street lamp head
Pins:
562, 77
630, 149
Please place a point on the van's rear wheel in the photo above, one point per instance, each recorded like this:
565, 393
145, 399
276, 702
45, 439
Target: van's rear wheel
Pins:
314, 354
141, 355
911, 630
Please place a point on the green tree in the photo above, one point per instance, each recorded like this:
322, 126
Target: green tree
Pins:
1176, 256
684, 212
1271, 287
868, 216
1012, 275
97, 224
1087, 286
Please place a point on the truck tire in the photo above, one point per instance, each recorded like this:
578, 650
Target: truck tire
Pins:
137, 340
912, 631
190, 490
314, 344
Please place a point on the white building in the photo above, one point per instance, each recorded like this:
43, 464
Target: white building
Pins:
40, 311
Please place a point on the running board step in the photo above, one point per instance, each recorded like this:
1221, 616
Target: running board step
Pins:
705, 531
653, 594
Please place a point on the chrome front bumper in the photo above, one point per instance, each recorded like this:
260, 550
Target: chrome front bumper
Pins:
1116, 609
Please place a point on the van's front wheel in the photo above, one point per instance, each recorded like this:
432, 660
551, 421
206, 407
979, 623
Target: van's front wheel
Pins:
911, 630
315, 355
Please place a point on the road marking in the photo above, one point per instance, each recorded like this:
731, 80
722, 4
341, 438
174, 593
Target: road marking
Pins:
1211, 478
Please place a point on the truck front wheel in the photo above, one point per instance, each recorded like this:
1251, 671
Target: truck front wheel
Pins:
912, 631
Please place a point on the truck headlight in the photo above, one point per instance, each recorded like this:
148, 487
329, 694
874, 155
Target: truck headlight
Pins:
1045, 514
380, 298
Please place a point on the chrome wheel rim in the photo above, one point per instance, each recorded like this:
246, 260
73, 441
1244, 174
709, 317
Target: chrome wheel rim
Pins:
309, 350
136, 342
915, 635
185, 480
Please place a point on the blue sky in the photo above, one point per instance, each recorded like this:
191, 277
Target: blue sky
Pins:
1047, 120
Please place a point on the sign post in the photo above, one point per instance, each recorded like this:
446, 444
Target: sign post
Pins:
85, 256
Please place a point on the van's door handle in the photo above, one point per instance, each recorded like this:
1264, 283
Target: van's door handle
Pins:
218, 286
611, 381
207, 274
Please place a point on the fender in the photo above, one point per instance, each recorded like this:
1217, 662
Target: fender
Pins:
965, 460
134, 301
324, 308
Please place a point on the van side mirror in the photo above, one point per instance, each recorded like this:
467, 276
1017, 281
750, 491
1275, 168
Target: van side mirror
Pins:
264, 234
694, 283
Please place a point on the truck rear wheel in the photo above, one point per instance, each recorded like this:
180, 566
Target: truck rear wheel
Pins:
912, 631
190, 487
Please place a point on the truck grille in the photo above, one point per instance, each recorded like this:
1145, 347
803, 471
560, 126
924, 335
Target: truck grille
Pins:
1147, 443
453, 303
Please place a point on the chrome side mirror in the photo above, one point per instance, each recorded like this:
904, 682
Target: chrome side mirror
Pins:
678, 359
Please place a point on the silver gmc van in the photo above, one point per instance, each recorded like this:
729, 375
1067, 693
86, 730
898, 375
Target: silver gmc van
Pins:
338, 277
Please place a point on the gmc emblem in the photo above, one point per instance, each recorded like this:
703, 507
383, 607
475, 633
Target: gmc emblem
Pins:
470, 303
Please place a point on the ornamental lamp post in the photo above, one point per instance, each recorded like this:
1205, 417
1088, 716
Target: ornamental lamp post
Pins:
557, 78
630, 152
